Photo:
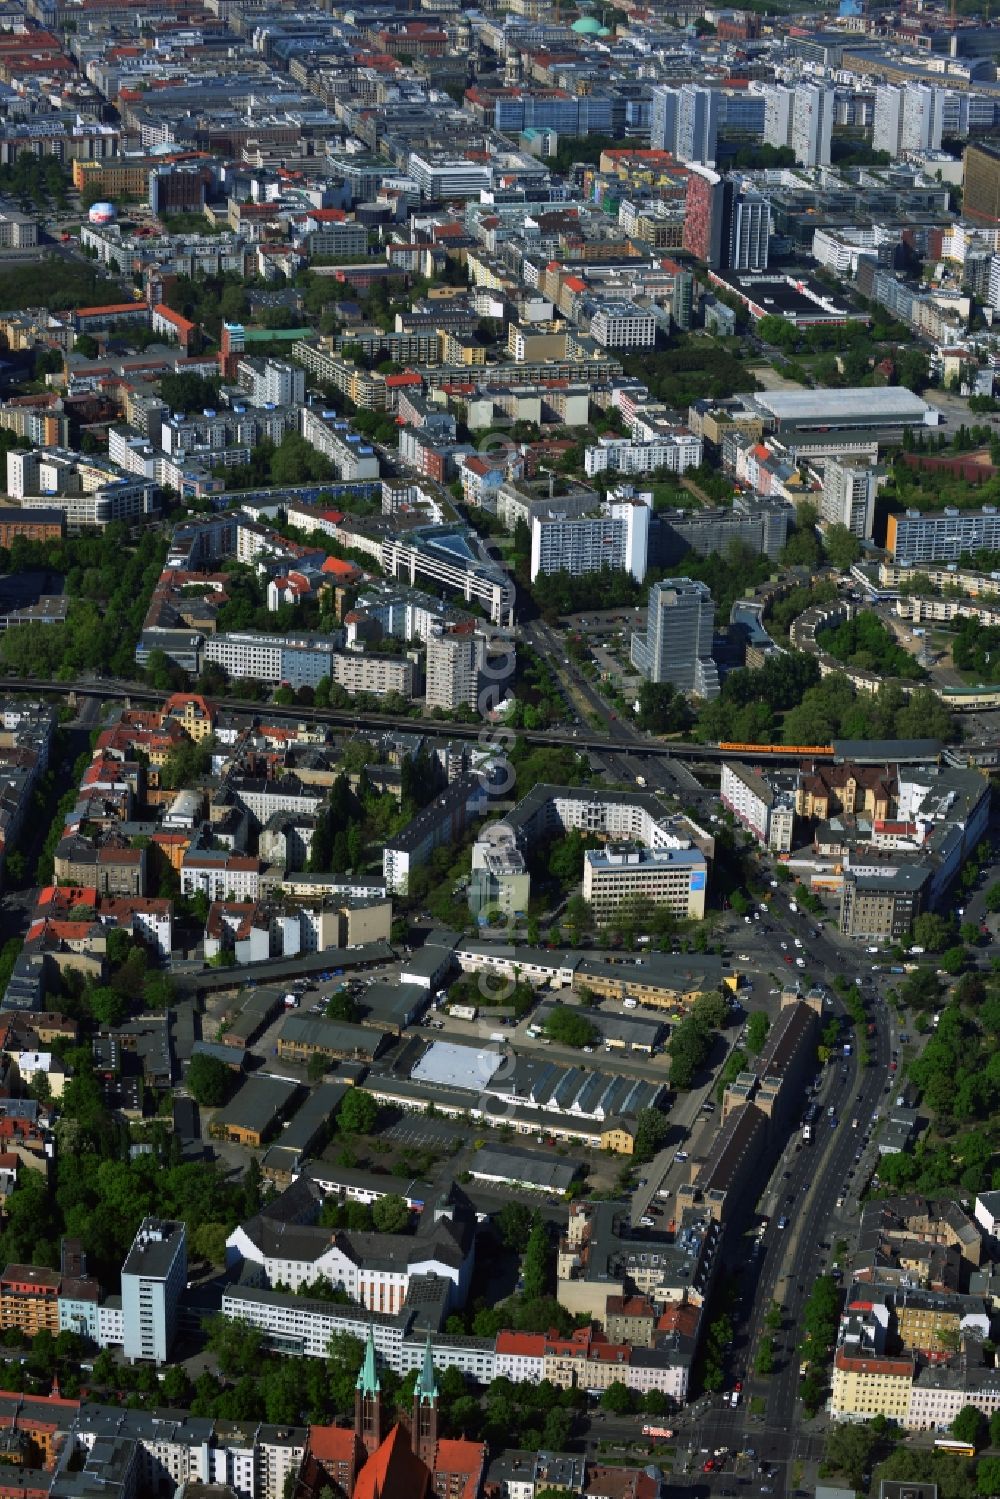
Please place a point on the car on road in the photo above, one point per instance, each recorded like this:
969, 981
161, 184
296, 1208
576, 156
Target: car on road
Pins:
782, 1221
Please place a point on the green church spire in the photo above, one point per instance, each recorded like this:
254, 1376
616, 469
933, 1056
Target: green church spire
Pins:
368, 1382
426, 1390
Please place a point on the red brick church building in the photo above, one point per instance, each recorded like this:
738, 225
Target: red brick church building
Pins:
373, 1460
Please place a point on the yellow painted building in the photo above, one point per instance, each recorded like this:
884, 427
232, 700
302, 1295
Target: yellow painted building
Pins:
927, 1328
618, 1137
29, 1299
194, 713
116, 178
868, 1387
458, 351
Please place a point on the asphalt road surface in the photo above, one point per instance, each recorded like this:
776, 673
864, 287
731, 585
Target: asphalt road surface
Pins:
804, 1188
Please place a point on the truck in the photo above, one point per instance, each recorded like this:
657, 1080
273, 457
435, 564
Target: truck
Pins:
497, 1036
663, 1432
807, 1134
464, 1012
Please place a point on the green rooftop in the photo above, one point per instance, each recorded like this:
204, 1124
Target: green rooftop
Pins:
276, 335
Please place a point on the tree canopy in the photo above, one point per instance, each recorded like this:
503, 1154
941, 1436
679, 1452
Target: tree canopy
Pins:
209, 1081
569, 1027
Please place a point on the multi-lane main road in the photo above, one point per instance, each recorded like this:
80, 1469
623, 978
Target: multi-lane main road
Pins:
804, 1189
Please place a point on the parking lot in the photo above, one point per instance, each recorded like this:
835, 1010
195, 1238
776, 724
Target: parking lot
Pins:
416, 1131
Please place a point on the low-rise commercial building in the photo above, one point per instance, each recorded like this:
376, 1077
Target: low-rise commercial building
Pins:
254, 1112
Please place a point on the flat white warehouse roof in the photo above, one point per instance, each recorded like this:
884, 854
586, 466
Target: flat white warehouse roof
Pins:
456, 1066
860, 401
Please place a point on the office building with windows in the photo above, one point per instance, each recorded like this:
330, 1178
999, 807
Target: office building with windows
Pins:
981, 183
749, 232
677, 646
617, 876
154, 1277
623, 325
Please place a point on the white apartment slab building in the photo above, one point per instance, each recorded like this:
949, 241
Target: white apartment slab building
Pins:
352, 457
455, 662
848, 498
908, 118
768, 814
617, 538
676, 452
380, 676
623, 325
285, 660
812, 124
221, 875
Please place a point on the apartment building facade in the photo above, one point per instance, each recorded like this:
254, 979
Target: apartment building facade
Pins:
154, 1276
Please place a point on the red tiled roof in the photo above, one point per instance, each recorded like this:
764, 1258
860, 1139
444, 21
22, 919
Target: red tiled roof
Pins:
393, 1471
111, 308
332, 1444
335, 567
898, 1368
171, 316
526, 1344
